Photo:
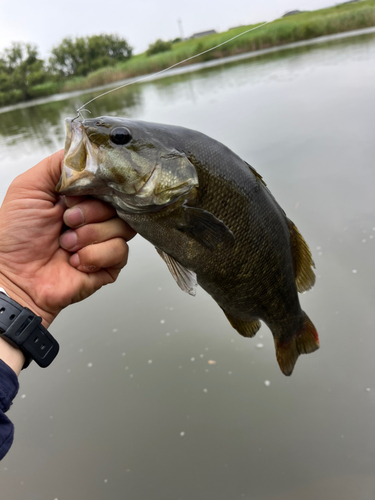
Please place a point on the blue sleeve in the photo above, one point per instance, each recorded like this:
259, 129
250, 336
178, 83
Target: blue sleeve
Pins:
8, 390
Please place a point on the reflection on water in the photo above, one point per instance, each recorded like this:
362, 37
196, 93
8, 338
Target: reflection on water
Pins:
42, 124
153, 394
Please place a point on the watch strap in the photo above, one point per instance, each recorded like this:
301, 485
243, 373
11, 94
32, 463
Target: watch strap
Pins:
22, 328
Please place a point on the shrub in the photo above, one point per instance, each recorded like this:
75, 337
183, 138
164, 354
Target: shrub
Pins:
158, 46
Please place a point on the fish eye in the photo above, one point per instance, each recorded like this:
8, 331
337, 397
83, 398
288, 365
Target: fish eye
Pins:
120, 135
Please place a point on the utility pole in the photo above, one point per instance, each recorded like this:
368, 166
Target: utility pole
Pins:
180, 29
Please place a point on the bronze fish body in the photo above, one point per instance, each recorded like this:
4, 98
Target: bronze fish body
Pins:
210, 216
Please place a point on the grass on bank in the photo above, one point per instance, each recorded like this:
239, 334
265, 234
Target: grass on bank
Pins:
303, 26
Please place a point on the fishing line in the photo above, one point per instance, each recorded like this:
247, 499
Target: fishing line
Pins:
146, 77
143, 78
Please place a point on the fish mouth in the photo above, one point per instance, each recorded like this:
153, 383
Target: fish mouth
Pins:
75, 183
68, 134
79, 168
75, 145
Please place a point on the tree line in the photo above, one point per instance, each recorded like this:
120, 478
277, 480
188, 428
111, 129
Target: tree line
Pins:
25, 75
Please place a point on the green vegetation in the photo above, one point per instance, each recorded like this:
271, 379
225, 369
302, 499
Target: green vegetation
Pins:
24, 75
158, 46
20, 71
89, 62
82, 56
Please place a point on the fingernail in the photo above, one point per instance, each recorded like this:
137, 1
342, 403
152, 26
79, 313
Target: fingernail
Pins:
73, 217
74, 260
68, 240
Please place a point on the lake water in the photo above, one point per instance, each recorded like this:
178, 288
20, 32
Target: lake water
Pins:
134, 407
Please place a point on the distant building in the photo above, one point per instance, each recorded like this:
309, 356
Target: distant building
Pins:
293, 12
203, 33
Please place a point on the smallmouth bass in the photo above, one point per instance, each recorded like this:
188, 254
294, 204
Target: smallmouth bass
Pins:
210, 216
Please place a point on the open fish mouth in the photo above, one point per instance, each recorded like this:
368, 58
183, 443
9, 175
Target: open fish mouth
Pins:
75, 145
78, 172
75, 183
68, 133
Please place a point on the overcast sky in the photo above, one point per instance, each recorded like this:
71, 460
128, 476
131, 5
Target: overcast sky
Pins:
140, 22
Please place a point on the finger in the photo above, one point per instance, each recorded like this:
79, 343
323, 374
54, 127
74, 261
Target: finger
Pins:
87, 212
70, 201
111, 254
96, 233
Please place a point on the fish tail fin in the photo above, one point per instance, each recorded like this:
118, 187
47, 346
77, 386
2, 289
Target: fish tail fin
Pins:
304, 341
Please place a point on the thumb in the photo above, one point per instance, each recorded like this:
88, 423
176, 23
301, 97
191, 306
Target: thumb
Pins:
41, 180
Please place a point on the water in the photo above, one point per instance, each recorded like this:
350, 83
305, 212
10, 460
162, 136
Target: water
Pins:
153, 394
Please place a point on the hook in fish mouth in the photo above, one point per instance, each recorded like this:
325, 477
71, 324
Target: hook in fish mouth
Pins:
79, 113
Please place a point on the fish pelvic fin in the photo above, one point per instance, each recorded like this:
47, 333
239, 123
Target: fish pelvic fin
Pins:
185, 279
244, 328
304, 341
303, 263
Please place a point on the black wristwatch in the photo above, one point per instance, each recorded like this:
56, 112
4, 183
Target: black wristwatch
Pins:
21, 328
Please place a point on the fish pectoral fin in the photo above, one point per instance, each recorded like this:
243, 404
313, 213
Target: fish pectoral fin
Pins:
185, 279
244, 328
205, 228
303, 263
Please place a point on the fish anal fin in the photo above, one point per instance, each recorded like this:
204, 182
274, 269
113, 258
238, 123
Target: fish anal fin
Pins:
206, 228
304, 341
185, 279
302, 260
244, 328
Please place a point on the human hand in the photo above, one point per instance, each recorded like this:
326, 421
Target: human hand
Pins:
42, 269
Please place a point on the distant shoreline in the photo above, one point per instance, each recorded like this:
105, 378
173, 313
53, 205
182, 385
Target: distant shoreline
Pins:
189, 68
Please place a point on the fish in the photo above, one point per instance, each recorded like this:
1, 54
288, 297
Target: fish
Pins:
210, 216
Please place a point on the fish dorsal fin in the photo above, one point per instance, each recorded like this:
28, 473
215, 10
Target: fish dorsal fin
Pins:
185, 279
257, 175
244, 328
302, 260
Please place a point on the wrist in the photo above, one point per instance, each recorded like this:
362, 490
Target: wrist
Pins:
22, 329
18, 294
12, 356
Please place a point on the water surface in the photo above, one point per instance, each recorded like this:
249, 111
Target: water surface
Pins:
133, 406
